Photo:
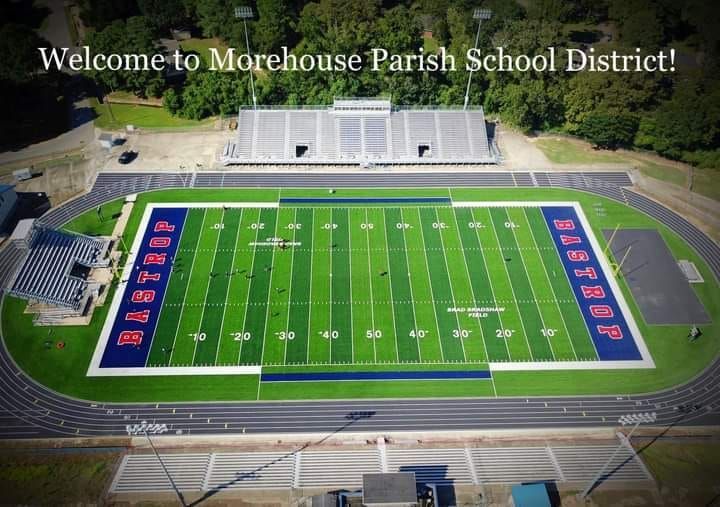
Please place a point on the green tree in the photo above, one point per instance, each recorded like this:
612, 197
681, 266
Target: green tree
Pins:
529, 100
163, 14
689, 121
274, 26
100, 13
20, 56
134, 36
609, 130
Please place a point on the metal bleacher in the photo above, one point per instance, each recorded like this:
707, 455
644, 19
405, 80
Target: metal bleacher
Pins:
44, 275
358, 130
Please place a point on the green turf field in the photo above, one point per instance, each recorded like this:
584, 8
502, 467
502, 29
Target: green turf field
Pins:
65, 370
377, 285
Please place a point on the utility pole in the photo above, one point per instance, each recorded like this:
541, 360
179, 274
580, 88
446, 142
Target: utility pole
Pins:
480, 15
637, 419
246, 13
167, 472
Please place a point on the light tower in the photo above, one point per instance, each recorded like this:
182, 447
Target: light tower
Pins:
480, 15
624, 420
246, 13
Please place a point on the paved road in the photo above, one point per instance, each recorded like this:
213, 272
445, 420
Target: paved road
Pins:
29, 410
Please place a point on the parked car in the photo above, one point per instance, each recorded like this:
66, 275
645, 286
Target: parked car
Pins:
127, 156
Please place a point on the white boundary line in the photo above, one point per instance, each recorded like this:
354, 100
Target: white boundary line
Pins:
95, 370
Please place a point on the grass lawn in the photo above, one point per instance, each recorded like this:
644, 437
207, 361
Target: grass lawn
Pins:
561, 151
430, 45
64, 370
139, 116
692, 467
36, 478
89, 223
202, 47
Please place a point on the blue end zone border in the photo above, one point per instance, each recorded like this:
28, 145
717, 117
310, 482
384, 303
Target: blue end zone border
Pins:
365, 200
376, 375
142, 300
603, 316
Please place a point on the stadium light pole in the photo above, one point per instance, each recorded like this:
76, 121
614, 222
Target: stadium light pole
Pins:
624, 420
181, 498
246, 13
480, 15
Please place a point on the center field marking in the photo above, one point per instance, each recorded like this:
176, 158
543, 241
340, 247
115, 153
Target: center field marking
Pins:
182, 308
372, 302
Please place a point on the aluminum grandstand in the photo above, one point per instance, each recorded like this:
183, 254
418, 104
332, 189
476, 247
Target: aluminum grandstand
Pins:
55, 272
360, 131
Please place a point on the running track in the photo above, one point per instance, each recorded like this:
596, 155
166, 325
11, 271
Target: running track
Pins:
28, 410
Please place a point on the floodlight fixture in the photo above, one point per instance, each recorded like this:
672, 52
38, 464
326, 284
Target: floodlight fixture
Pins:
243, 12
482, 14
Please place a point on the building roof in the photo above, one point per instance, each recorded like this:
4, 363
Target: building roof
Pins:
5, 188
530, 495
392, 488
353, 131
22, 229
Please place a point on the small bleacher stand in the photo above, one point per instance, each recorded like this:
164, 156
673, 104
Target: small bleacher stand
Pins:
56, 274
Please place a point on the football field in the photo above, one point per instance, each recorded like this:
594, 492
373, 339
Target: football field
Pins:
408, 283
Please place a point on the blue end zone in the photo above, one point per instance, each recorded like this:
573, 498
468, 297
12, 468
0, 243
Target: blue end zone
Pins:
609, 331
376, 375
125, 347
365, 200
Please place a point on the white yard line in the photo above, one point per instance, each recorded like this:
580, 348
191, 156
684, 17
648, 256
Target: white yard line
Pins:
330, 336
452, 291
372, 302
182, 307
492, 290
547, 277
532, 290
352, 328
412, 296
207, 287
247, 297
309, 328
292, 262
432, 290
227, 290
392, 295
512, 289
472, 289
270, 286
